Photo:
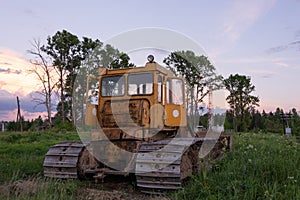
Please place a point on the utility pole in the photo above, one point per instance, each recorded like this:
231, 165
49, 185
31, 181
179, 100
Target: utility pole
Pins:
210, 107
19, 117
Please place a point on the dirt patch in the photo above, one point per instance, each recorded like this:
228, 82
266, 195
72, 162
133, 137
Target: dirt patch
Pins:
101, 195
24, 187
21, 188
117, 190
4, 190
118, 195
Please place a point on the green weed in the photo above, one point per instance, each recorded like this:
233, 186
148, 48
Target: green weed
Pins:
261, 166
24, 152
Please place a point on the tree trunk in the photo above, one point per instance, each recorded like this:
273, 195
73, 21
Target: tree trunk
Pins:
62, 97
48, 99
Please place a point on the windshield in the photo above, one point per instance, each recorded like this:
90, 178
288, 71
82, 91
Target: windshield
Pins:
113, 86
139, 84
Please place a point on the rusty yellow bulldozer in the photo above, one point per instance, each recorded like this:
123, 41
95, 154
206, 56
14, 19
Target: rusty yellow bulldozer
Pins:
139, 127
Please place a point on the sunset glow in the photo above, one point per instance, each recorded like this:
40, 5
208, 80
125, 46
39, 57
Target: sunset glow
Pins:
260, 39
15, 77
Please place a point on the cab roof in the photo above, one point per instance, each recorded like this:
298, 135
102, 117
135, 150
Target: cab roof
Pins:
150, 66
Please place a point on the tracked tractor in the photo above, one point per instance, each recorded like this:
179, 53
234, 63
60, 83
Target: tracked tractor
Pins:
136, 124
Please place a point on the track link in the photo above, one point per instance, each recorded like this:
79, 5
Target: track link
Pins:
163, 165
61, 160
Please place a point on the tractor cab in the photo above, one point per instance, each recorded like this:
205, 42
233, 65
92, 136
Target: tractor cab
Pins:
148, 98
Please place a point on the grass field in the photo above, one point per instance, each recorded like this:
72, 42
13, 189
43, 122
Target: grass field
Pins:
261, 166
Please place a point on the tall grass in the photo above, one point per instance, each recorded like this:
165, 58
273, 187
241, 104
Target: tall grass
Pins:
22, 154
42, 188
261, 166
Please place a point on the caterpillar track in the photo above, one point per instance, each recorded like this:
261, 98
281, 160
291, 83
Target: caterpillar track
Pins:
162, 165
61, 161
159, 166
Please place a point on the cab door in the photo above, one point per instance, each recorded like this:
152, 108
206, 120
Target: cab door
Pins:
175, 108
91, 101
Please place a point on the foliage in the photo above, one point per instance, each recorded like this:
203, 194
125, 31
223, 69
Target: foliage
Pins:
196, 70
267, 122
69, 54
200, 77
106, 56
240, 99
261, 166
63, 126
32, 125
64, 48
295, 124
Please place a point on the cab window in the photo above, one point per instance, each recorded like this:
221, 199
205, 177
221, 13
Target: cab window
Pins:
113, 86
159, 89
140, 84
92, 90
174, 90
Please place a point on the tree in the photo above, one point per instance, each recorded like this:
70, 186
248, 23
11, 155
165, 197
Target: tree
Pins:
44, 72
122, 62
68, 53
240, 99
198, 72
256, 120
228, 124
107, 57
87, 46
64, 48
295, 121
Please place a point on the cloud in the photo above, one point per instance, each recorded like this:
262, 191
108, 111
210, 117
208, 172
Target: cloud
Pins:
277, 49
9, 102
288, 66
14, 73
12, 60
263, 73
281, 64
11, 115
15, 81
29, 12
10, 71
30, 108
5, 63
242, 15
2, 83
297, 34
250, 60
284, 47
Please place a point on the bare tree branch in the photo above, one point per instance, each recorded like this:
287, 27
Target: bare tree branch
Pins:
44, 73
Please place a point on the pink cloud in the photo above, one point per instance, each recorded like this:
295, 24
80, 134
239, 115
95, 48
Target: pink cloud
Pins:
11, 115
2, 83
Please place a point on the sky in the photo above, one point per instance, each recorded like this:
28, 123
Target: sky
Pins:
259, 38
